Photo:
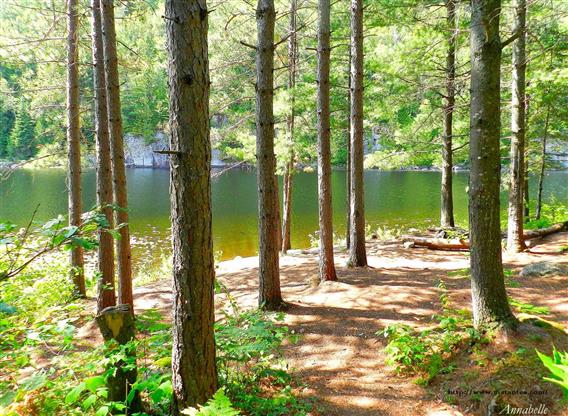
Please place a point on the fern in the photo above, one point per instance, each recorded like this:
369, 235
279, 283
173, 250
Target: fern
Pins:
218, 405
558, 366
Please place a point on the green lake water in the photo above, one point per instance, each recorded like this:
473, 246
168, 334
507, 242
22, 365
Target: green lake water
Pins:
393, 199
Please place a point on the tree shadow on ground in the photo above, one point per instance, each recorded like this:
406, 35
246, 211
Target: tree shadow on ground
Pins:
339, 357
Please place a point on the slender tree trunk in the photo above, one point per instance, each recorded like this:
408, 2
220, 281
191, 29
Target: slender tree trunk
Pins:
194, 374
287, 206
289, 171
278, 226
447, 203
270, 296
526, 194
542, 167
357, 250
74, 143
106, 289
326, 264
489, 297
117, 149
515, 243
348, 165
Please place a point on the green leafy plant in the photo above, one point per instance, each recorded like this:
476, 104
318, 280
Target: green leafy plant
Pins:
460, 273
529, 308
557, 364
218, 405
427, 352
19, 247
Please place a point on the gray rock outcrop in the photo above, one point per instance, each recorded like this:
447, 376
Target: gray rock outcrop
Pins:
544, 268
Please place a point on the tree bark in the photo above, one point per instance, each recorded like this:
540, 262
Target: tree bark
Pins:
489, 298
542, 166
289, 171
117, 149
348, 165
515, 242
74, 143
447, 203
357, 250
194, 374
526, 194
270, 296
105, 254
326, 264
278, 226
287, 206
116, 323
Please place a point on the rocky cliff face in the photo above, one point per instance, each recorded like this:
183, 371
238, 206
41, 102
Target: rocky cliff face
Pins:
140, 154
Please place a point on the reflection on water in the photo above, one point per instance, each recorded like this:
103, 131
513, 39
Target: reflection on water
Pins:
391, 198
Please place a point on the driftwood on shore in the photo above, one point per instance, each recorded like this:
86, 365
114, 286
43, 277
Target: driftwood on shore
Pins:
542, 232
436, 243
456, 244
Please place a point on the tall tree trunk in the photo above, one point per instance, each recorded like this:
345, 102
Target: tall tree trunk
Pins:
106, 289
515, 243
447, 203
542, 167
348, 164
194, 374
489, 297
326, 265
74, 142
270, 296
357, 250
117, 149
289, 170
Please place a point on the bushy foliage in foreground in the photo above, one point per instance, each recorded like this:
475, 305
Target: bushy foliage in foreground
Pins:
51, 362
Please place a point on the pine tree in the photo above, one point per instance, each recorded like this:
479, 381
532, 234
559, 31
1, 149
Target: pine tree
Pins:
21, 143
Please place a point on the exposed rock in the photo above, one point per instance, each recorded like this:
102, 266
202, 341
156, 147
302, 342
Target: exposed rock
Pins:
140, 152
544, 268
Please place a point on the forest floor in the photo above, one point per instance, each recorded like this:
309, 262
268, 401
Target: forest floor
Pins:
341, 360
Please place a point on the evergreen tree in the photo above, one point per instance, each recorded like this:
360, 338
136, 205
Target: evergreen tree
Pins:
21, 142
6, 124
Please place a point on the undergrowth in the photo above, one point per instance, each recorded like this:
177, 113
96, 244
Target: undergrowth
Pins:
46, 368
428, 352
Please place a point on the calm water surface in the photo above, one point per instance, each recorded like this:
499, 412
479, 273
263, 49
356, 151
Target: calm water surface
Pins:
394, 199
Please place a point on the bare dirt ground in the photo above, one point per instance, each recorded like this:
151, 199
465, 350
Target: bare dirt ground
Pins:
339, 357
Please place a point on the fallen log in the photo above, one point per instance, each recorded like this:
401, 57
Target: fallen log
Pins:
543, 232
437, 243
463, 245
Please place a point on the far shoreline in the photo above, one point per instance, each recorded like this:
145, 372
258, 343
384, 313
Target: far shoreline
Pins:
24, 165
